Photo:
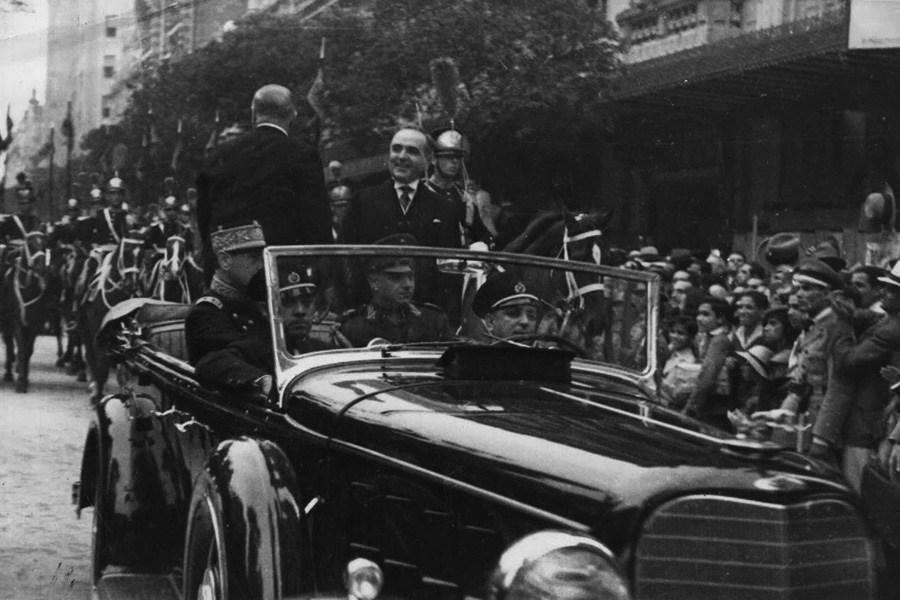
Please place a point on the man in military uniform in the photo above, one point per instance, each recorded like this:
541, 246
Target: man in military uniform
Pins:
297, 295
19, 225
162, 229
391, 314
110, 224
227, 332
811, 362
506, 307
449, 180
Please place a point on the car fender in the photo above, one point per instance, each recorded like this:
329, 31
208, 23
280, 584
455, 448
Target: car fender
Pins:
128, 463
247, 496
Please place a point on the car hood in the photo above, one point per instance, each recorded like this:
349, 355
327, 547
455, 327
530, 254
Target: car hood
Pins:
582, 449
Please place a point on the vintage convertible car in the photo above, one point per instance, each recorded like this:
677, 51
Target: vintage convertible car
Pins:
430, 457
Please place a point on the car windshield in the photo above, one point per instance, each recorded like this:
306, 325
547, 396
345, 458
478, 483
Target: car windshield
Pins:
332, 297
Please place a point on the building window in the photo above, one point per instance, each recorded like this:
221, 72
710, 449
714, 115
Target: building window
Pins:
111, 29
106, 112
109, 66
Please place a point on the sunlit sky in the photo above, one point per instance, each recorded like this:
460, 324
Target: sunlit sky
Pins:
23, 58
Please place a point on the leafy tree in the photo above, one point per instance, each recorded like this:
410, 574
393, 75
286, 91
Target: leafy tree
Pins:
527, 77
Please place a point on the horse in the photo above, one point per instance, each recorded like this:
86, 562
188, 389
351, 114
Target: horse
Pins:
72, 264
25, 297
7, 312
115, 280
174, 276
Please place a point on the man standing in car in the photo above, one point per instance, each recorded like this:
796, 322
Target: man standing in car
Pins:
404, 204
267, 177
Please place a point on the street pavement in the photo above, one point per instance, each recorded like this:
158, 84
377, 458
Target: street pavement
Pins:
44, 549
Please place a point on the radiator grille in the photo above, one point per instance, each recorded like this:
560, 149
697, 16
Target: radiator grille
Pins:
708, 547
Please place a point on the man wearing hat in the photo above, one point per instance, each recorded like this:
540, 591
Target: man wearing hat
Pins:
162, 229
448, 180
404, 204
226, 331
266, 176
19, 225
850, 423
506, 307
297, 295
391, 313
811, 361
110, 223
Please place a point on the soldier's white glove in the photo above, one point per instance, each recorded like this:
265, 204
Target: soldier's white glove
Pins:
777, 415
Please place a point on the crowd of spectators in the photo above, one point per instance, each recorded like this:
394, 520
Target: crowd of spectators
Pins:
799, 337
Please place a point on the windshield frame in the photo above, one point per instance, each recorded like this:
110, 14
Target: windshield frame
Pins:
286, 364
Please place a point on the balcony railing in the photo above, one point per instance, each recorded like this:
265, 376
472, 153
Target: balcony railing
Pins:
663, 27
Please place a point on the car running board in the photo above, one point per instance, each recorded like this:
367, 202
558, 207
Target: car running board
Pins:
136, 586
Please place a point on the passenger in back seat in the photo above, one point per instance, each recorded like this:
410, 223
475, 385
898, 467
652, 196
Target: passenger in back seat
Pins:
227, 332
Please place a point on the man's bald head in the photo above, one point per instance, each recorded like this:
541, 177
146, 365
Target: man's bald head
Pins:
272, 104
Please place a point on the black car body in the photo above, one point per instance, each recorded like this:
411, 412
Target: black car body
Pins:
430, 459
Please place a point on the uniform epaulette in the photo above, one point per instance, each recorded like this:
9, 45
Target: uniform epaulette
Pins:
211, 300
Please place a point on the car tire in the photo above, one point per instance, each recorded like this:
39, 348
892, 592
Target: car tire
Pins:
246, 538
205, 558
99, 533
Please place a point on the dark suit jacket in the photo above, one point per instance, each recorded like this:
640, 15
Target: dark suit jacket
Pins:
270, 178
851, 413
375, 213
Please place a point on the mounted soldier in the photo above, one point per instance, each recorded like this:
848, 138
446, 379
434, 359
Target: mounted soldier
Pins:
19, 225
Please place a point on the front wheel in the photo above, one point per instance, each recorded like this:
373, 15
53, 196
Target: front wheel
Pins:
205, 572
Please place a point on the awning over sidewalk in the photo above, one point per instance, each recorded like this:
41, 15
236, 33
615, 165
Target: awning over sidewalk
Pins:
784, 63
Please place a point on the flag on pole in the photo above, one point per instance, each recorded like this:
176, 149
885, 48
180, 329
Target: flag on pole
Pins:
68, 128
176, 152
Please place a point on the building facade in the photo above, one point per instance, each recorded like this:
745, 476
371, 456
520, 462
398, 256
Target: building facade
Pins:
736, 120
92, 56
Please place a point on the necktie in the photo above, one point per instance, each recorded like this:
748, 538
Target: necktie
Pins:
405, 198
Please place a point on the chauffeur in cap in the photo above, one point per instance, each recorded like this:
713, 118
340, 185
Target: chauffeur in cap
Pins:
811, 362
227, 332
391, 314
506, 306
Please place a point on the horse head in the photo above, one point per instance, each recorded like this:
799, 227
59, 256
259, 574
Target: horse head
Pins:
176, 254
583, 235
127, 264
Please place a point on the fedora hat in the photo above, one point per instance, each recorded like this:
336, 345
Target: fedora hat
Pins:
892, 278
757, 357
877, 213
781, 249
829, 252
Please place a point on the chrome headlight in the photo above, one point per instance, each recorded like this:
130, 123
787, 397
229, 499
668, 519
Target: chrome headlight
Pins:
557, 565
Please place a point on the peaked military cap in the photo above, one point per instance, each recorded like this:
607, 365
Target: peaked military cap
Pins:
393, 264
296, 278
242, 237
814, 271
503, 289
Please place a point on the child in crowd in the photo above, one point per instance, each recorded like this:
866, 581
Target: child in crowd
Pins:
679, 375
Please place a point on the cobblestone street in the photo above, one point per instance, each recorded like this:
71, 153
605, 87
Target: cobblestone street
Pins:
44, 549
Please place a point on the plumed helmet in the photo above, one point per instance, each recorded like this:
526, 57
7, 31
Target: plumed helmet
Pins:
115, 185
340, 194
450, 142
